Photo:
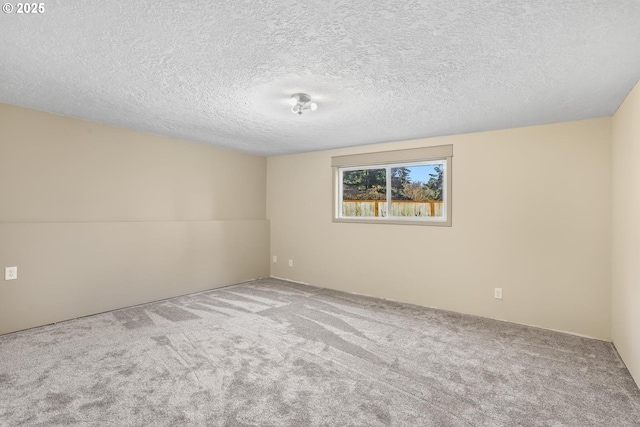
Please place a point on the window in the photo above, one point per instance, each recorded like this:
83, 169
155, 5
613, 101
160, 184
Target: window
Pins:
400, 187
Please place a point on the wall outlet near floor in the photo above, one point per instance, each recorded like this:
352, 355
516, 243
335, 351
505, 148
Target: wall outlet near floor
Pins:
10, 273
275, 258
497, 293
290, 263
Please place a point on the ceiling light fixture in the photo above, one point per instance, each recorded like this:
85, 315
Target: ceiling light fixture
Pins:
302, 102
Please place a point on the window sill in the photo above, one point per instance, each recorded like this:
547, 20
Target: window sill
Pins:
436, 223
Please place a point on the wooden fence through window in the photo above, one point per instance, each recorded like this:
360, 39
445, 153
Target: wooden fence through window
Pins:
378, 208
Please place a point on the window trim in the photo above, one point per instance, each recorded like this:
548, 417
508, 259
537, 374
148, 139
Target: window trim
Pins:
388, 160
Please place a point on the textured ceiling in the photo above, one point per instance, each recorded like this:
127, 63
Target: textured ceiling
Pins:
222, 72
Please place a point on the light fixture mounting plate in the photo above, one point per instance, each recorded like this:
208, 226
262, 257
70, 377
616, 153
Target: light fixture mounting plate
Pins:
302, 102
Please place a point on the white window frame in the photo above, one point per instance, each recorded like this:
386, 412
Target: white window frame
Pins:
441, 155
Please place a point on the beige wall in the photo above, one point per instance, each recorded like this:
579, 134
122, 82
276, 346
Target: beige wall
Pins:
531, 214
626, 232
98, 218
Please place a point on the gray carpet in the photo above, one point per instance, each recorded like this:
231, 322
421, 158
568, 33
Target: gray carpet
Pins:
273, 353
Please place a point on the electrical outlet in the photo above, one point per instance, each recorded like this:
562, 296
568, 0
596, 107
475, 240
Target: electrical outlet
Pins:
10, 273
497, 293
290, 263
275, 258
